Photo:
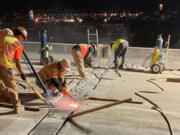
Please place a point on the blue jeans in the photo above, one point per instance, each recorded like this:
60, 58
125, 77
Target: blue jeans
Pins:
120, 52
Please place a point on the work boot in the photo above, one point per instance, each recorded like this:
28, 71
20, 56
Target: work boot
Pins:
83, 76
18, 110
121, 67
2, 86
116, 68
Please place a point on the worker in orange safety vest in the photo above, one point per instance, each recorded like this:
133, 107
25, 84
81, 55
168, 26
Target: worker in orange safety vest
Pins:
53, 76
11, 52
83, 55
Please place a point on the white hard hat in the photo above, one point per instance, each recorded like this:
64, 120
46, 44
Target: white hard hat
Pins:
66, 64
22, 30
8, 31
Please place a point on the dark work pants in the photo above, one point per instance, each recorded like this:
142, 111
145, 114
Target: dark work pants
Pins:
120, 52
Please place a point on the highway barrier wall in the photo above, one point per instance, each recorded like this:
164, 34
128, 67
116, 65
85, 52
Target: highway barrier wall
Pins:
135, 55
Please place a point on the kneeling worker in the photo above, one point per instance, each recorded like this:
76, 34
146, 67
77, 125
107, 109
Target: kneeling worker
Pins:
52, 76
83, 55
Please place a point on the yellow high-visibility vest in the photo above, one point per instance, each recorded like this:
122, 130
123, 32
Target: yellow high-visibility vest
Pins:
8, 46
117, 43
50, 71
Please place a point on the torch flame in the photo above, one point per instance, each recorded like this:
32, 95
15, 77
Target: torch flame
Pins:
64, 103
75, 105
69, 105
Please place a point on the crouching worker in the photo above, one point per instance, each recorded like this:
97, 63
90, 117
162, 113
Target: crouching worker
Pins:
53, 77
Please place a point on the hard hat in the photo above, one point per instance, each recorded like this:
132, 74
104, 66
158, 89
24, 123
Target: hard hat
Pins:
8, 32
111, 43
66, 64
22, 30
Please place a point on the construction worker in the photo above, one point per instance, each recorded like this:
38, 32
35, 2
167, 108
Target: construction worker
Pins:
159, 43
119, 47
43, 44
4, 32
83, 55
45, 50
11, 51
53, 76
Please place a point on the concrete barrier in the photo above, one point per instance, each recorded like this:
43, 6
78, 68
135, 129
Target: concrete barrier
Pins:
135, 55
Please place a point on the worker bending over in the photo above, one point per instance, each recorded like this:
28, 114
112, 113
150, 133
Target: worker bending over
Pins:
119, 47
4, 32
53, 76
83, 55
11, 52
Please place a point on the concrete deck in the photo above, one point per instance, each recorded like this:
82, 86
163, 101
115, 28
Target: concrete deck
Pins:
123, 119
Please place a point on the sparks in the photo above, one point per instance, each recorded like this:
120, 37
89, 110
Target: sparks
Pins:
64, 103
70, 105
75, 105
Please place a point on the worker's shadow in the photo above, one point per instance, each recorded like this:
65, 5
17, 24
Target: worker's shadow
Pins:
33, 63
36, 63
26, 99
11, 112
4, 102
30, 75
8, 113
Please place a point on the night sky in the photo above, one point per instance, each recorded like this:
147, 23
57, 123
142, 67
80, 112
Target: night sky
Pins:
89, 4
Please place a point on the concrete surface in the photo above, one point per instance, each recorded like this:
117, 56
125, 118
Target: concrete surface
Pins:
123, 119
127, 119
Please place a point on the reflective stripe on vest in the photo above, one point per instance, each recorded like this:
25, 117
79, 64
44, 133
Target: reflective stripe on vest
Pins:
84, 49
13, 46
43, 76
8, 46
6, 53
52, 75
49, 71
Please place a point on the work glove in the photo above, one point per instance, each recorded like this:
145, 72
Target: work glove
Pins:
66, 94
88, 62
64, 83
60, 88
23, 77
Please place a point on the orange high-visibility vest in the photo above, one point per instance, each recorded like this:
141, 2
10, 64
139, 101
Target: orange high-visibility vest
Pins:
50, 71
84, 49
8, 47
